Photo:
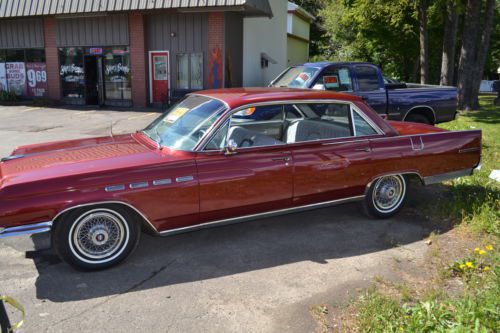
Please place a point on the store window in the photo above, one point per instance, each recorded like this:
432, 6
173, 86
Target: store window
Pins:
71, 72
117, 83
23, 71
190, 71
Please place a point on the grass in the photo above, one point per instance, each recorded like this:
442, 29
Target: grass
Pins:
473, 202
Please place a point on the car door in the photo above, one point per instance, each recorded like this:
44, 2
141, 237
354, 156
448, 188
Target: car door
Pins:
331, 153
257, 177
370, 86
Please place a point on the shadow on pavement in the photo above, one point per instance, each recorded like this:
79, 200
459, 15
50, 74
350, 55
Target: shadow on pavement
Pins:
318, 236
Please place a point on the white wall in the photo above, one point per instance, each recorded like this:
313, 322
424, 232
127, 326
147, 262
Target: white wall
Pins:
264, 35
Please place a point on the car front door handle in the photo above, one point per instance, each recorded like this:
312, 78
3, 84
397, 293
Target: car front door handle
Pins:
366, 149
285, 159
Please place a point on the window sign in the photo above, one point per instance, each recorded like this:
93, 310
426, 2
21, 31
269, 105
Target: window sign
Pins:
117, 80
36, 73
16, 77
331, 82
3, 77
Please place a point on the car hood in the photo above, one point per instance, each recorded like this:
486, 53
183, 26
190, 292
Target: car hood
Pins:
69, 158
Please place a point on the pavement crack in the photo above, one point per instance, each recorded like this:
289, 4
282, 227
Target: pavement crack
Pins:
132, 288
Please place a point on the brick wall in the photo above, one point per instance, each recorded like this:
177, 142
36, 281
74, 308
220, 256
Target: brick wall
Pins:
52, 58
138, 59
216, 31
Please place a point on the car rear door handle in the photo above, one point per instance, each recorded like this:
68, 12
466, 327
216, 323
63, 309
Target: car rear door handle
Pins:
366, 149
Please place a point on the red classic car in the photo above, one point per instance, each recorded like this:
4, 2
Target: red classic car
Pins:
219, 157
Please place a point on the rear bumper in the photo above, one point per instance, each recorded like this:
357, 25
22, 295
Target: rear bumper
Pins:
447, 176
28, 229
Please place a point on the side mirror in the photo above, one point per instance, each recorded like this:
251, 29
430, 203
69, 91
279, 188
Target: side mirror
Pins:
319, 86
231, 147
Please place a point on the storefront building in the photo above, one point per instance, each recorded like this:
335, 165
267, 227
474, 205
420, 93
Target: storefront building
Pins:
125, 53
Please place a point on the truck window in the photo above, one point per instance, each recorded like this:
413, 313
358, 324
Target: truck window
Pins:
336, 79
367, 78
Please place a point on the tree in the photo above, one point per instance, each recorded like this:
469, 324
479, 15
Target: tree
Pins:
482, 50
475, 45
424, 41
451, 19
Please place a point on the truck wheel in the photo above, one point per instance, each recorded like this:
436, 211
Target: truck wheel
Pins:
386, 196
418, 118
96, 238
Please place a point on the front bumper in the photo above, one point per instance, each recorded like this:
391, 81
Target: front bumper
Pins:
28, 229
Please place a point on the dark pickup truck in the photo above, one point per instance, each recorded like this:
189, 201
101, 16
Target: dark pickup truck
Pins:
399, 101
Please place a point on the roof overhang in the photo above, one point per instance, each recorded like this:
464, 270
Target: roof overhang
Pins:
29, 8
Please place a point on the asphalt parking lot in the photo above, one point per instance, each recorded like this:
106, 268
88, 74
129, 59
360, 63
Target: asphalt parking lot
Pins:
260, 276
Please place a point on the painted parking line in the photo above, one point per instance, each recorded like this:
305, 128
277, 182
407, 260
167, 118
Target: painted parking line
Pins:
142, 116
30, 109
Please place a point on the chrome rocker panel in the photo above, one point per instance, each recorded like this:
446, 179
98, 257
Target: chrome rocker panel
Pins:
28, 229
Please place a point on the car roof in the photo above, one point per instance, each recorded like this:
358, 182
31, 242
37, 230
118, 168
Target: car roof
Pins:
323, 64
236, 97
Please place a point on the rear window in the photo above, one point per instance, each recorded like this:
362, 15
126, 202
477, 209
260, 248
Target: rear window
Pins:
367, 78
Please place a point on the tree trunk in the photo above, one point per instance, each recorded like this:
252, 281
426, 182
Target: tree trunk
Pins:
449, 44
482, 52
424, 44
468, 54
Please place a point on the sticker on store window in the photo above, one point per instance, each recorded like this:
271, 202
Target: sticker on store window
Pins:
331, 81
175, 115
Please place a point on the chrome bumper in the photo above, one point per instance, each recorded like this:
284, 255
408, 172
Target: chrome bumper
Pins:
28, 229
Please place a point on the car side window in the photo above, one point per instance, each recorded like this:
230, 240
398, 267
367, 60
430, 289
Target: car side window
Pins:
362, 127
367, 77
323, 121
291, 112
251, 127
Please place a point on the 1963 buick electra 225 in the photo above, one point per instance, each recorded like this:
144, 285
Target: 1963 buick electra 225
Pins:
219, 157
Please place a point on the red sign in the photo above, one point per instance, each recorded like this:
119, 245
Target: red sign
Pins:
95, 50
36, 73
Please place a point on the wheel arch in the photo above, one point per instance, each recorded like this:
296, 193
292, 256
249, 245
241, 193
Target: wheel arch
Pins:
408, 174
423, 110
138, 215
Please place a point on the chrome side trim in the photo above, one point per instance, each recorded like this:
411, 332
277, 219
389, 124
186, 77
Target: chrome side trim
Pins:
114, 188
28, 229
160, 182
468, 150
259, 215
184, 179
447, 176
108, 203
138, 185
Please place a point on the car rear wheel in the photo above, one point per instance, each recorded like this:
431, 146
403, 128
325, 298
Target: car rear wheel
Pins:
96, 238
418, 118
386, 196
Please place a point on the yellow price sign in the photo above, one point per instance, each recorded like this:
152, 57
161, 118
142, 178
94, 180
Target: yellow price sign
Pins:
173, 116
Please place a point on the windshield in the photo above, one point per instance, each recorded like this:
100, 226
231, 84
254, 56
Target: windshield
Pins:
184, 124
296, 77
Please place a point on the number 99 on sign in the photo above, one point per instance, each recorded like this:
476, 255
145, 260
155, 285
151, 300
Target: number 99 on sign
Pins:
36, 76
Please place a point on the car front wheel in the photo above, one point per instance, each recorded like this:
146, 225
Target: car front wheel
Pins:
96, 238
386, 196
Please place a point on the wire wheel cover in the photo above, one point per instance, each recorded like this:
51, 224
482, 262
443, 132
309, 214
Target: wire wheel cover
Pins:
99, 234
388, 193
